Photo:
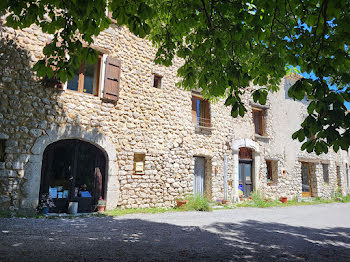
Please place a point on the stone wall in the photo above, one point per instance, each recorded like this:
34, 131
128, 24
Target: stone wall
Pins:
155, 122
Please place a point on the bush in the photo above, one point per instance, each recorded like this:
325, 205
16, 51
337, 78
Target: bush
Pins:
197, 202
260, 201
346, 199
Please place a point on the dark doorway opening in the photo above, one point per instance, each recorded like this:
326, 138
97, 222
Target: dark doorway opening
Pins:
305, 180
245, 171
73, 171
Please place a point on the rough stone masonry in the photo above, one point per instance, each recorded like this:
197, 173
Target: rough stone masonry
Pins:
156, 122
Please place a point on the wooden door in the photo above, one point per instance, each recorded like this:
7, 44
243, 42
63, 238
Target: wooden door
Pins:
245, 177
305, 180
199, 175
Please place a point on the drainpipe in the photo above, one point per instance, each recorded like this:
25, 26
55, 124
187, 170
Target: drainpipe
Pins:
225, 177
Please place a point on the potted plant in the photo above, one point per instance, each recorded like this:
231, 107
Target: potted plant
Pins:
284, 199
180, 201
240, 194
45, 202
101, 205
224, 202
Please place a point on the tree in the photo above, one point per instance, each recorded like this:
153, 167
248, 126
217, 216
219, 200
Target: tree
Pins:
225, 45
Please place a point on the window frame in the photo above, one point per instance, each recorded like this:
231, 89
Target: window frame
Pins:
270, 169
99, 78
159, 79
261, 128
206, 104
138, 158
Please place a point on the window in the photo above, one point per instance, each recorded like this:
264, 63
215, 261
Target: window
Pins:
157, 81
200, 111
139, 163
259, 121
271, 171
325, 173
87, 78
2, 150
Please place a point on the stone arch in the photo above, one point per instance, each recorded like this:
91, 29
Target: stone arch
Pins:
236, 145
32, 170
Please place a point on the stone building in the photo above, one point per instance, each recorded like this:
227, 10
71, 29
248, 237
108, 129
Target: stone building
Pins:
123, 131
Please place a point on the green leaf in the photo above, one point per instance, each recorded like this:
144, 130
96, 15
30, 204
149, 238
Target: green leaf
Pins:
301, 135
311, 107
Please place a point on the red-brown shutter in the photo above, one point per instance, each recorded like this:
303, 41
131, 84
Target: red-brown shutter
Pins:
194, 110
263, 123
207, 113
112, 79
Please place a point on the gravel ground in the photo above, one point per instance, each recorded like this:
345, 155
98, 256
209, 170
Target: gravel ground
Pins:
299, 233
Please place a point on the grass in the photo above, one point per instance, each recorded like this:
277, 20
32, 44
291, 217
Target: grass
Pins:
346, 199
198, 203
259, 201
122, 212
8, 214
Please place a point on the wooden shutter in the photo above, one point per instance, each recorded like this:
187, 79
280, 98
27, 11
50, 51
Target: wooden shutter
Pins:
263, 122
256, 121
112, 79
194, 110
206, 113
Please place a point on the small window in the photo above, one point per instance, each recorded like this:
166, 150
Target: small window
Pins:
157, 81
325, 173
271, 171
2, 150
139, 163
259, 121
86, 78
200, 111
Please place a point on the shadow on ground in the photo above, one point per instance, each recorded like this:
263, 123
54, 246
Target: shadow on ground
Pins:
109, 239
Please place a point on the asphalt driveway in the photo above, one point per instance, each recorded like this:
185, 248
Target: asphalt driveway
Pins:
300, 233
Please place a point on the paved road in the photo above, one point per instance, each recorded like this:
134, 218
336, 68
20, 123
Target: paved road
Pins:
304, 233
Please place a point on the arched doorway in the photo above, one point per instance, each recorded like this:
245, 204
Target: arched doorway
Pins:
246, 161
245, 174
73, 171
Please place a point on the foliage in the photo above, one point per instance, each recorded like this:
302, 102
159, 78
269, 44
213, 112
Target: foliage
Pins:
197, 202
101, 202
180, 198
121, 212
225, 46
346, 199
259, 201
